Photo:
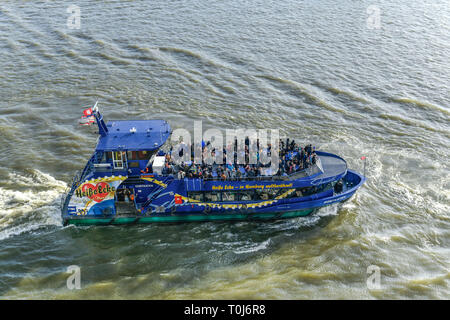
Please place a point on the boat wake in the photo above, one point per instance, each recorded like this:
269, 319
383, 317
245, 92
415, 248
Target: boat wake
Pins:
28, 202
254, 247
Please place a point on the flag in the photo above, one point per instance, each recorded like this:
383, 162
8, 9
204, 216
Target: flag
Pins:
87, 112
87, 121
88, 117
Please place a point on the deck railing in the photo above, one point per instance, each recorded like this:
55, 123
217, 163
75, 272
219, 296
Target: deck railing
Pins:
70, 190
313, 169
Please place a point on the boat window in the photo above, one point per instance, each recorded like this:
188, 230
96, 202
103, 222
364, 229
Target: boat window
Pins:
273, 192
196, 196
301, 192
247, 195
132, 155
145, 155
229, 196
267, 194
310, 190
261, 195
298, 193
103, 159
238, 196
108, 156
324, 187
212, 196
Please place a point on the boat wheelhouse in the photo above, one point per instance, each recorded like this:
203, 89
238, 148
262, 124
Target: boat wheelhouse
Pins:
131, 178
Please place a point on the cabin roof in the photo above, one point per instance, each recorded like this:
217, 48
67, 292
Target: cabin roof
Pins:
136, 135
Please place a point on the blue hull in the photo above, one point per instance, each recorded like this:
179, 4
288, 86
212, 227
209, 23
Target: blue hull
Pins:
191, 212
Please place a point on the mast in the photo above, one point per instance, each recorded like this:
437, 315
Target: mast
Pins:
102, 129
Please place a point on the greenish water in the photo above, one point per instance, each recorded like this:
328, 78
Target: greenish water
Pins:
319, 71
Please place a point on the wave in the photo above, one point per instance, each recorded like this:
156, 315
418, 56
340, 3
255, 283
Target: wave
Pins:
28, 202
254, 248
302, 90
197, 61
14, 18
421, 104
408, 122
184, 52
350, 94
112, 59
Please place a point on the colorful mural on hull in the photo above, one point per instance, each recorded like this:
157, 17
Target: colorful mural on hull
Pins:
93, 192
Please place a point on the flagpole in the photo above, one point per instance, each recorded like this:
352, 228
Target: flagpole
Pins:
364, 167
95, 109
363, 158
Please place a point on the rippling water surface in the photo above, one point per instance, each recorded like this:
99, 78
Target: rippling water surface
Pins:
317, 70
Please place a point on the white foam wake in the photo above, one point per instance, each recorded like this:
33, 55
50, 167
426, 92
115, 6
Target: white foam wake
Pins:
29, 201
254, 247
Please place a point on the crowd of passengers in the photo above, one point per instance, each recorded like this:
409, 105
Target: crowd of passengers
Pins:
292, 158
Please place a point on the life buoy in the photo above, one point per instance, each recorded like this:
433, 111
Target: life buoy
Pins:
145, 170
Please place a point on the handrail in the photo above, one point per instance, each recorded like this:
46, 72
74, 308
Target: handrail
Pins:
70, 190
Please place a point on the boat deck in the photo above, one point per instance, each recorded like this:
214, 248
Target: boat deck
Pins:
332, 165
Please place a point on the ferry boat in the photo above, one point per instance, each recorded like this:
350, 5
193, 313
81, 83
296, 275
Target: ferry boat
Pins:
129, 179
